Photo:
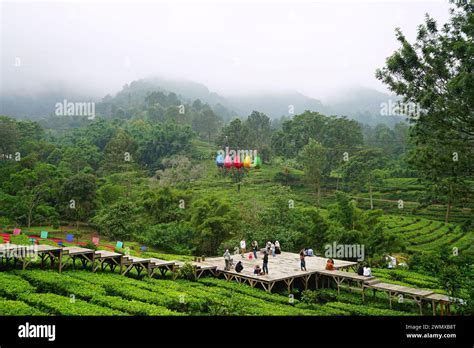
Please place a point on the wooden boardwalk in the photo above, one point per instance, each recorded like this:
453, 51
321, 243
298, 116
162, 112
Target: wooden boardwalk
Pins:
283, 268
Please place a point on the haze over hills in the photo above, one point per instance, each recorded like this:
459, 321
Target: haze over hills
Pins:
359, 103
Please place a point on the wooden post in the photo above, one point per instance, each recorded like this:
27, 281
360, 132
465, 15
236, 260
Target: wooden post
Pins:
60, 260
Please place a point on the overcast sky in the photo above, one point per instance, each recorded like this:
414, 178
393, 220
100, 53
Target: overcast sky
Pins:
315, 47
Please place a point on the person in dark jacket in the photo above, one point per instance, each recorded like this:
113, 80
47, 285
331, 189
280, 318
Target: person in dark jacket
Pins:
239, 267
254, 248
265, 262
360, 270
303, 262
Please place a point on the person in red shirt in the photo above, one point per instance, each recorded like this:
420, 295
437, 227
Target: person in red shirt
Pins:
330, 265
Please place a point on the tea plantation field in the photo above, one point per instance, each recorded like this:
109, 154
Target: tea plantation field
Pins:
427, 235
42, 292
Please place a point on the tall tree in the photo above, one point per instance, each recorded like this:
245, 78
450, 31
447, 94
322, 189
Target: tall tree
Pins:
364, 170
313, 157
206, 123
436, 74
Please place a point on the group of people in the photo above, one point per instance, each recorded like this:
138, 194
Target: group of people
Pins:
274, 248
271, 247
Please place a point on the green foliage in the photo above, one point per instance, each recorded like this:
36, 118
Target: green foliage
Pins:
313, 156
118, 221
363, 310
12, 286
60, 284
187, 272
317, 296
61, 305
20, 239
174, 237
132, 307
214, 221
18, 308
439, 61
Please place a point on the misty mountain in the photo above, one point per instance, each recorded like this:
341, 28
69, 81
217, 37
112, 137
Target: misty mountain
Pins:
28, 104
275, 105
362, 104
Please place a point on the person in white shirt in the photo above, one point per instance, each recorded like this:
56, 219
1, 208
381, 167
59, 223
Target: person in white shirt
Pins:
227, 260
392, 262
242, 247
367, 272
268, 246
277, 247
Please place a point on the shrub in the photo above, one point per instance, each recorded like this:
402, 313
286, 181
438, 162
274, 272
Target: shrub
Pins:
90, 245
364, 310
318, 296
17, 308
11, 286
187, 272
20, 239
61, 284
133, 307
62, 305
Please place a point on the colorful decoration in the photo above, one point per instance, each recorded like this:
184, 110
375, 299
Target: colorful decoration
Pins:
257, 163
44, 234
119, 245
16, 231
227, 162
95, 240
237, 163
220, 160
233, 164
247, 162
69, 237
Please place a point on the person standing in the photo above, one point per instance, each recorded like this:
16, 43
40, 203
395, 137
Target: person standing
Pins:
303, 262
277, 247
242, 247
272, 247
265, 263
254, 248
227, 260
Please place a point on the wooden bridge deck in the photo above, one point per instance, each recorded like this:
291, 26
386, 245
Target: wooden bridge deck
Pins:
284, 267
